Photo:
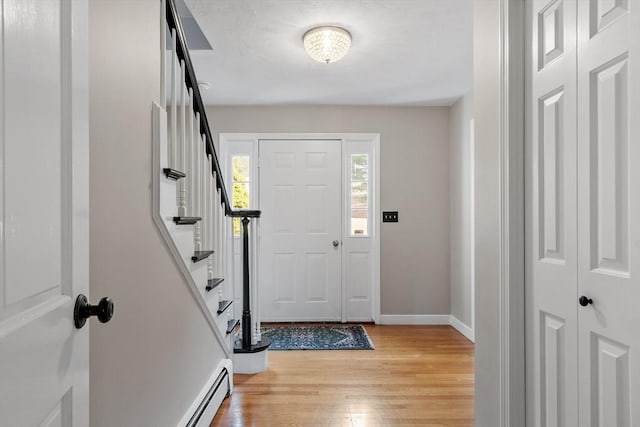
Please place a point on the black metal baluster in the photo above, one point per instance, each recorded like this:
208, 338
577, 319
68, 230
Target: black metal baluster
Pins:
246, 307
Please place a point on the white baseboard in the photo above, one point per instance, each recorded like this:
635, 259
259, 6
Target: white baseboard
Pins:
213, 408
462, 328
428, 319
415, 319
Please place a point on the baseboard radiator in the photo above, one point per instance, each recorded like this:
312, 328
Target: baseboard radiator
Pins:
207, 409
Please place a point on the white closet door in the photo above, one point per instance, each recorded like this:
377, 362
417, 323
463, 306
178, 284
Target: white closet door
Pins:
583, 283
300, 250
609, 212
551, 216
44, 212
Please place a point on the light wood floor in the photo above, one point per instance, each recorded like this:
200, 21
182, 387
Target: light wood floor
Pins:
417, 375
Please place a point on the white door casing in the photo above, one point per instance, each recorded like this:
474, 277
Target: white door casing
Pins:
608, 212
300, 200
44, 359
581, 201
360, 253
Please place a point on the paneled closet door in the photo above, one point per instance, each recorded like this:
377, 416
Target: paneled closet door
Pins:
551, 258
609, 212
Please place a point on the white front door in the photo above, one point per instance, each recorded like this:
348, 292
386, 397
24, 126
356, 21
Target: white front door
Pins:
44, 208
300, 245
583, 214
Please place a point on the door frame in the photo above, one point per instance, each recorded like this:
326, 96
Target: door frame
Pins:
511, 304
253, 139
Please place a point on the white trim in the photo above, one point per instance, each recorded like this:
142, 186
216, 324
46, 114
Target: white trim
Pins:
225, 363
375, 297
415, 319
463, 328
429, 319
472, 225
163, 55
511, 352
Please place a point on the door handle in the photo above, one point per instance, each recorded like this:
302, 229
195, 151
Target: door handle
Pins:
83, 310
336, 243
585, 301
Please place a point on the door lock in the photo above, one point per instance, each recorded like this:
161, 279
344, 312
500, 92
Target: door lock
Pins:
336, 243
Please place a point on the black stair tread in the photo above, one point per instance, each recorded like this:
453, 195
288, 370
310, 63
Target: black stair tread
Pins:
231, 325
261, 345
223, 305
212, 283
186, 220
200, 255
173, 173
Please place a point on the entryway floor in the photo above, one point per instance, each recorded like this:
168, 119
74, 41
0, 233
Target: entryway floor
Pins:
417, 375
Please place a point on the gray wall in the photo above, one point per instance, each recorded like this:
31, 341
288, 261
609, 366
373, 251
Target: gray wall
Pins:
486, 44
151, 360
460, 115
414, 180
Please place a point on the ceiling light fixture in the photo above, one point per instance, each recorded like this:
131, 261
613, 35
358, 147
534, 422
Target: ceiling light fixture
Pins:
327, 44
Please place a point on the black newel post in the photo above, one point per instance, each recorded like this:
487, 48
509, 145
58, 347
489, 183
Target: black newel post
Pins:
246, 291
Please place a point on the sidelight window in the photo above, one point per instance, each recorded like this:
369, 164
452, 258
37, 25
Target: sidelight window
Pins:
241, 177
359, 195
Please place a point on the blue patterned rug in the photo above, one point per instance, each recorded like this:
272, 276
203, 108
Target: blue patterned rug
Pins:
321, 336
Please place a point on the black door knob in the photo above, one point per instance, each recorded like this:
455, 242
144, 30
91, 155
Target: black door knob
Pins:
584, 301
83, 310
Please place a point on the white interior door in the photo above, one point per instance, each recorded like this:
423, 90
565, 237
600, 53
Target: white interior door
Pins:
581, 203
551, 226
300, 248
44, 359
609, 212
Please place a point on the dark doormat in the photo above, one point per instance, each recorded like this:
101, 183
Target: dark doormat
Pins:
321, 336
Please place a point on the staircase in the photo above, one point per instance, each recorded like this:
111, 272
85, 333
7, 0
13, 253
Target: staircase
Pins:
192, 210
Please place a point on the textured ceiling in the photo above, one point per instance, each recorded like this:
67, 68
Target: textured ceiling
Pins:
404, 52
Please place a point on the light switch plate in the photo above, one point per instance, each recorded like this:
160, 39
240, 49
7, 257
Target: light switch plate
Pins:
390, 216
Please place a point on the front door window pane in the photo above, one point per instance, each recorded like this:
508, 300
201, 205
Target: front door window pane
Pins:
241, 187
359, 195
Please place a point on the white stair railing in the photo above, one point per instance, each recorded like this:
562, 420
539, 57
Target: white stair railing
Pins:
173, 116
197, 184
201, 198
181, 143
188, 152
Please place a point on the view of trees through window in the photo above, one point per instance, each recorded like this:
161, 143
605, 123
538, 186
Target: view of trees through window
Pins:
241, 187
359, 194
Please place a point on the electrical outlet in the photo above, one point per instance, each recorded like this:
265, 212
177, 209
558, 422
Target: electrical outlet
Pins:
390, 216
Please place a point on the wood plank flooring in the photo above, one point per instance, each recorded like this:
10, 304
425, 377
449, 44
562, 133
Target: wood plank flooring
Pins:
417, 375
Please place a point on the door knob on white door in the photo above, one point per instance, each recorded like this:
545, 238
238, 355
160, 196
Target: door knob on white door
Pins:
585, 301
336, 243
83, 310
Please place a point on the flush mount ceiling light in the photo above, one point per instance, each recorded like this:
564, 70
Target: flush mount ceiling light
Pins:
327, 44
